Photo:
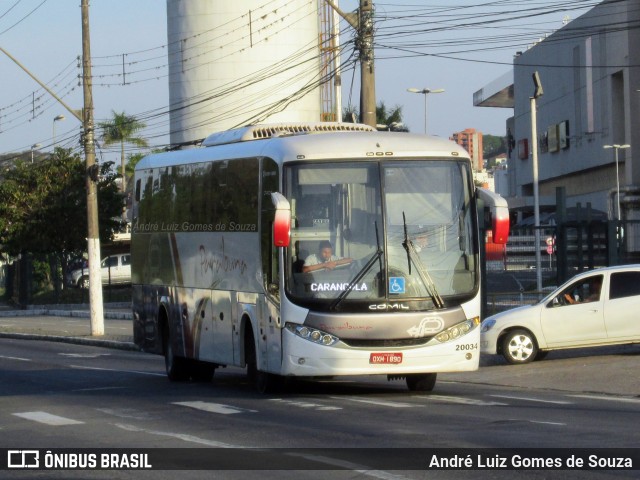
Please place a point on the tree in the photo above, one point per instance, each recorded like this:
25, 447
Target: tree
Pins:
493, 145
122, 129
43, 206
132, 161
385, 119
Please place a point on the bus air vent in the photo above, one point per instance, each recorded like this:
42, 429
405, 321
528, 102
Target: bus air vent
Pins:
259, 132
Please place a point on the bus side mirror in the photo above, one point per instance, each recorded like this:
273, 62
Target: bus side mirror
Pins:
281, 221
499, 214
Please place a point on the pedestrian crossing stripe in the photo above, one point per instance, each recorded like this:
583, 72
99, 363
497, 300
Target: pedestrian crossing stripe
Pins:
47, 418
214, 407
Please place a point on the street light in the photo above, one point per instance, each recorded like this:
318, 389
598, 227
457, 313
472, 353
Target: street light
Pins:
537, 92
617, 147
33, 147
425, 92
57, 118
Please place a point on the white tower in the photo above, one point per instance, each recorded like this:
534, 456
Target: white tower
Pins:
236, 62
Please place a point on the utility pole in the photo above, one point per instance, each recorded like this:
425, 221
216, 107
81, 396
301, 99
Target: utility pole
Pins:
93, 232
538, 92
363, 24
86, 117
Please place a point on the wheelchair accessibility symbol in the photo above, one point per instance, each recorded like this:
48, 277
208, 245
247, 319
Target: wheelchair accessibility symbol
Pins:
396, 285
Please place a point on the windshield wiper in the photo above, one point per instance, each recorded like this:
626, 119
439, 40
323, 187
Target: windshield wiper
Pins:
363, 271
412, 256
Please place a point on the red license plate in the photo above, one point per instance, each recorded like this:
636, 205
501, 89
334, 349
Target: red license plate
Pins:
385, 358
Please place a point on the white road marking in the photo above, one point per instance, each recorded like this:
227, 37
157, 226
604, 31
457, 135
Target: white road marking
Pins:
214, 407
85, 355
459, 400
299, 404
119, 371
361, 469
180, 436
16, 358
547, 423
126, 413
354, 467
47, 418
609, 399
376, 402
529, 399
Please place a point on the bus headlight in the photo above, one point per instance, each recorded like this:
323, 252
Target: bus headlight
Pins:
312, 334
459, 329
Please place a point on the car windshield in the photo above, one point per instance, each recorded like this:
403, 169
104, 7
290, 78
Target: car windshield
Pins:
366, 232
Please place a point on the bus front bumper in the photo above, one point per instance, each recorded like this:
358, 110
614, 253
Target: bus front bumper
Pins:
306, 358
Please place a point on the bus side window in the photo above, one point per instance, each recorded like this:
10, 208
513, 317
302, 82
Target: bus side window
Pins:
269, 184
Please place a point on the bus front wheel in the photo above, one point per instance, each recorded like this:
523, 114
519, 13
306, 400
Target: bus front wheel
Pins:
421, 382
265, 382
176, 367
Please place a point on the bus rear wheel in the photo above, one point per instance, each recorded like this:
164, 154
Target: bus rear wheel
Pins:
421, 382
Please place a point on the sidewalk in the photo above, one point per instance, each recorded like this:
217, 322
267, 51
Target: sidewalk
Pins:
587, 371
69, 323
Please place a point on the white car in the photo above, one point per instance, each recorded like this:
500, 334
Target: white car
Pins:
115, 269
594, 308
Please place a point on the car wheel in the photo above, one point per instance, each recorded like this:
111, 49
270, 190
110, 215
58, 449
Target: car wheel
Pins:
421, 382
84, 282
519, 346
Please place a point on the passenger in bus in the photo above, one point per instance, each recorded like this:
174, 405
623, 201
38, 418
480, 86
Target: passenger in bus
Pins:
324, 259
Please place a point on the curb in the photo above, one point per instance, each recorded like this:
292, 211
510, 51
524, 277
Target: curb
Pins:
63, 313
95, 342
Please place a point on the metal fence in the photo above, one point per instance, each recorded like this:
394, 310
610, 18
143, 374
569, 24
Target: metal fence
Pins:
565, 250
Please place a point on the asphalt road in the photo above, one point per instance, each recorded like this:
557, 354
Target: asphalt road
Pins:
60, 395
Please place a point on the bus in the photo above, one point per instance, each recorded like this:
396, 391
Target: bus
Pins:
223, 236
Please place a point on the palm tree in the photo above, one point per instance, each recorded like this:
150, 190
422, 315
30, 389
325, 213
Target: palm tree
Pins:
385, 119
122, 129
389, 119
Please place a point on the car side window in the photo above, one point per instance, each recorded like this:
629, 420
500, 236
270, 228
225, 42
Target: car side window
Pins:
126, 259
583, 291
624, 284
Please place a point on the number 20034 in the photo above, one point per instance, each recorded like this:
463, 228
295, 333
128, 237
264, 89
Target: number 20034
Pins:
467, 346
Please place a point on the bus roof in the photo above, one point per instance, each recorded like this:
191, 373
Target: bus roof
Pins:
309, 144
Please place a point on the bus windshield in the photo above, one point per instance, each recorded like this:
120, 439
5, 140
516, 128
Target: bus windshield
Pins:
380, 233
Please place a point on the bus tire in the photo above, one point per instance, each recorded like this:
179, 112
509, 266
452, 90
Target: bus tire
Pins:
264, 382
176, 367
202, 371
421, 382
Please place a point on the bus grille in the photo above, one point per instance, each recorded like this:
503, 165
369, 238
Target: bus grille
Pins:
402, 342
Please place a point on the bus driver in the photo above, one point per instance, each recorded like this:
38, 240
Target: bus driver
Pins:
324, 259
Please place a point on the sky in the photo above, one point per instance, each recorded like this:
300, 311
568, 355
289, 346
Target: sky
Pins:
456, 45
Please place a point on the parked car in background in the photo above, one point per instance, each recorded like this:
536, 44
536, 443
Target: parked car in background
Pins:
115, 270
594, 308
